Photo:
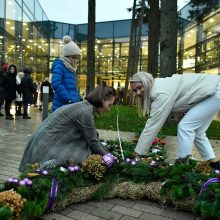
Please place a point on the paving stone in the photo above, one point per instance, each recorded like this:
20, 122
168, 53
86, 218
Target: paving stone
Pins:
82, 215
106, 214
149, 216
123, 202
54, 216
103, 205
83, 207
126, 211
175, 214
148, 208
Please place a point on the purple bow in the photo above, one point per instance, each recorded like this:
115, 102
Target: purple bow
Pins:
53, 194
205, 185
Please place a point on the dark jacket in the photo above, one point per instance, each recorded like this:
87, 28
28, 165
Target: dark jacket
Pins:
9, 84
27, 89
64, 84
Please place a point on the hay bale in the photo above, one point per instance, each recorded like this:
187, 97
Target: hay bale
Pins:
126, 190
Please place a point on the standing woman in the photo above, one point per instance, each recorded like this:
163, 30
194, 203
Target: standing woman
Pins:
64, 78
19, 95
196, 95
69, 133
2, 91
28, 90
9, 84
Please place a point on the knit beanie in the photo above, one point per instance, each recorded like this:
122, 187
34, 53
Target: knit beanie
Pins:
70, 48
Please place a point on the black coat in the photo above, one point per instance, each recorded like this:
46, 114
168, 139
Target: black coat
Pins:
9, 84
27, 89
2, 91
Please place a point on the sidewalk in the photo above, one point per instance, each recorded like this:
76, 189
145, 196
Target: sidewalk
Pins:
14, 136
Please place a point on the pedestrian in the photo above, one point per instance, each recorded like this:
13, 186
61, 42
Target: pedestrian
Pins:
28, 91
35, 83
64, 78
9, 84
2, 91
19, 95
197, 95
69, 133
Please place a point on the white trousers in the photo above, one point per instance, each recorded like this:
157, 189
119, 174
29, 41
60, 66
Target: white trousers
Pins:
192, 128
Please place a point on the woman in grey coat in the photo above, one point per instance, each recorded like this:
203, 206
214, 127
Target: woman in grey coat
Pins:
196, 95
69, 134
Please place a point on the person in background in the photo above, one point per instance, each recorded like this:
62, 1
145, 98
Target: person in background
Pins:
9, 84
69, 133
2, 91
28, 90
64, 78
19, 95
36, 93
197, 95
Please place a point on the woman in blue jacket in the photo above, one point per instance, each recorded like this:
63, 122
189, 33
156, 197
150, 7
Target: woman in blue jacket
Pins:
64, 78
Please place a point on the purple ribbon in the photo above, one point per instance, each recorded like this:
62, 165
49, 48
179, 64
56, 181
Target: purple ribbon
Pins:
206, 184
53, 194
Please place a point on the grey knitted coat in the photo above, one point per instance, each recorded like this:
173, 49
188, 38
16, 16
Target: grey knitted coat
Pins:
67, 134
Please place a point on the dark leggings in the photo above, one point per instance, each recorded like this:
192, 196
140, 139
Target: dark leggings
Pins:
7, 107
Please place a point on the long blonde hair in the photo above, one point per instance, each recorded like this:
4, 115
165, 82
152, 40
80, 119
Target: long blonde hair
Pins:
144, 103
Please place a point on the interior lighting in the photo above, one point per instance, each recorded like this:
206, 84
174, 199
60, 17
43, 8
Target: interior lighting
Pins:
24, 24
1, 37
188, 35
12, 28
211, 20
23, 40
10, 3
8, 22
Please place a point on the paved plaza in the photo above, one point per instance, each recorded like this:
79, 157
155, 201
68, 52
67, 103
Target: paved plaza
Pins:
14, 135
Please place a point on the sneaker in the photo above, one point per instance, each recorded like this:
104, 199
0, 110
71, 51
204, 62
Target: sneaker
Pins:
215, 165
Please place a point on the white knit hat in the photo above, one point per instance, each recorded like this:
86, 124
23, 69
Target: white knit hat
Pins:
70, 48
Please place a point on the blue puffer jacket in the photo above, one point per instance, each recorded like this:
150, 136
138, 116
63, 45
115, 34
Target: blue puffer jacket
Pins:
64, 83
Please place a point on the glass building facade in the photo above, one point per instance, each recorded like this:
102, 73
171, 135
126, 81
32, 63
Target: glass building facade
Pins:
28, 38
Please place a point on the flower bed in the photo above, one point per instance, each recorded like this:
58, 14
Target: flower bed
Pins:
49, 187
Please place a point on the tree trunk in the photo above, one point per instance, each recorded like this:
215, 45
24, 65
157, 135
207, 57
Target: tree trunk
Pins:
131, 45
153, 36
91, 47
168, 40
138, 43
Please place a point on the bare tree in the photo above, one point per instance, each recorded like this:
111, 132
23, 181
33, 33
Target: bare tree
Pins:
153, 19
168, 37
91, 46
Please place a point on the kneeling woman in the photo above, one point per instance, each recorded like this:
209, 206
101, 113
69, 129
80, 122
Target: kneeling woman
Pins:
69, 133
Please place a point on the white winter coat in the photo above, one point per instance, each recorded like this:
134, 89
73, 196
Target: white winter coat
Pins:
174, 94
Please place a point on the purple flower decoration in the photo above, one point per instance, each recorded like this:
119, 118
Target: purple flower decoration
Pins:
217, 171
45, 172
25, 180
22, 183
71, 169
128, 160
76, 168
29, 183
108, 160
10, 180
15, 180
133, 163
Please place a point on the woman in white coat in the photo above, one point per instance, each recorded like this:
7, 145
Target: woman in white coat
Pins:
196, 95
